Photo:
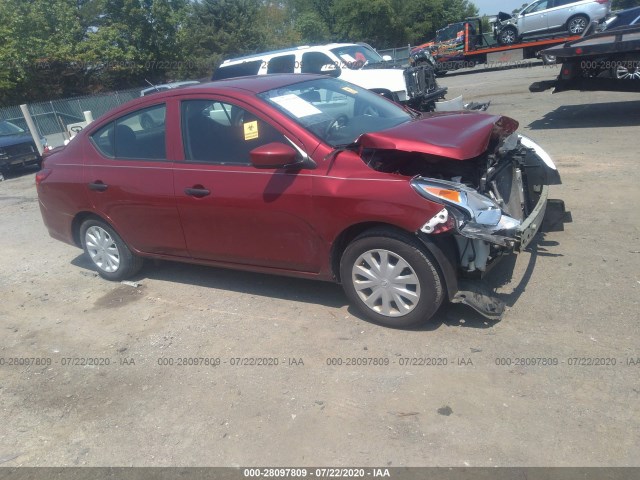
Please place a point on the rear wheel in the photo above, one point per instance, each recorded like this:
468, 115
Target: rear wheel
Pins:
391, 278
627, 70
508, 36
107, 251
577, 24
548, 59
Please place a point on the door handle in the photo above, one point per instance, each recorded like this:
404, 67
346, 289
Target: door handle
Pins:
98, 186
197, 192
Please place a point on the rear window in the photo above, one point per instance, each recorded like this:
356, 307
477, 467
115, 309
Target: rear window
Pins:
239, 70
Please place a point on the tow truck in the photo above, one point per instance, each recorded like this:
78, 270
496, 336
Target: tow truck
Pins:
606, 61
465, 45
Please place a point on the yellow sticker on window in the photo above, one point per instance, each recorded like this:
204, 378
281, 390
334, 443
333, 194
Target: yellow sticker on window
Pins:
350, 90
251, 130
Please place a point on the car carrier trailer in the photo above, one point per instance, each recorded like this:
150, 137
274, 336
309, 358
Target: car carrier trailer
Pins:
608, 61
471, 46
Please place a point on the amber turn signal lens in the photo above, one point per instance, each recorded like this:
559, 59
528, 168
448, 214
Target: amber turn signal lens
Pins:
451, 195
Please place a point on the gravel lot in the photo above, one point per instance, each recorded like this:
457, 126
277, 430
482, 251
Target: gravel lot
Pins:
575, 295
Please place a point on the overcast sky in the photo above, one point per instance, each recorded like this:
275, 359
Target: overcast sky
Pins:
492, 7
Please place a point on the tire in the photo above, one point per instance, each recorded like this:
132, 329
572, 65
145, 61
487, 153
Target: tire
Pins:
578, 24
97, 238
628, 69
409, 302
548, 59
508, 36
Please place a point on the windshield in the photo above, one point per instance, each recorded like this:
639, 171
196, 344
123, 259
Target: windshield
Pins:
336, 111
450, 32
8, 128
355, 57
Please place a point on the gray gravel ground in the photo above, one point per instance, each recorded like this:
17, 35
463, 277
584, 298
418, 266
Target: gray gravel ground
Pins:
574, 296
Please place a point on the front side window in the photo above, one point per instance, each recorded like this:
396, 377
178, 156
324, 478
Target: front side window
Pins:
221, 133
536, 7
336, 111
138, 135
355, 57
317, 62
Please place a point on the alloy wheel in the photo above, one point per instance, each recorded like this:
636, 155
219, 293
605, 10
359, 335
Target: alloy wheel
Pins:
577, 25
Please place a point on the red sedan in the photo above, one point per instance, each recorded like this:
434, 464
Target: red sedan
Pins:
306, 176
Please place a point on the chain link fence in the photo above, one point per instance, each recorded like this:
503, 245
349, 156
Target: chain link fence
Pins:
51, 118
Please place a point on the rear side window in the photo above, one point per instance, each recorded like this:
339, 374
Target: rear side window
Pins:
283, 64
240, 70
560, 3
316, 62
139, 135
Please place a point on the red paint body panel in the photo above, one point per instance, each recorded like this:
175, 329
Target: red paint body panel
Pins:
252, 219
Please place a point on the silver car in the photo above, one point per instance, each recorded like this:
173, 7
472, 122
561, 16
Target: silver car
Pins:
548, 16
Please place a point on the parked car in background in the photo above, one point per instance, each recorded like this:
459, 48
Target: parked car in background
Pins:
549, 16
630, 16
355, 63
17, 148
307, 176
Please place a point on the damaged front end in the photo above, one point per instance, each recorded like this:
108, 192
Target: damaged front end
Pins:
492, 204
502, 214
505, 208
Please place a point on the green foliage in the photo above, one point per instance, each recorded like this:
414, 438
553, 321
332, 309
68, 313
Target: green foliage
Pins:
57, 48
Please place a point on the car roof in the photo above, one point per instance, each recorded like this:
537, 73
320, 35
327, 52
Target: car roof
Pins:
258, 56
253, 85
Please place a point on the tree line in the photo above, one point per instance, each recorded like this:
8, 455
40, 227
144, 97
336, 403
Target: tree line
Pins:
59, 48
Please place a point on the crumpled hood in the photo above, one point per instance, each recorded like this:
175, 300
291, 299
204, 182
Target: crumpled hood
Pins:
458, 136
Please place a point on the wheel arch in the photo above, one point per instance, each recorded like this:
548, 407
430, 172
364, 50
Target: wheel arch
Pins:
581, 14
441, 247
77, 222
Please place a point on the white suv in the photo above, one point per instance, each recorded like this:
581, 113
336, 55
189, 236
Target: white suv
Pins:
356, 63
547, 16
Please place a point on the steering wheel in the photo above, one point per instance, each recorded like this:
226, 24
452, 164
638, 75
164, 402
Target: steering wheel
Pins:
335, 124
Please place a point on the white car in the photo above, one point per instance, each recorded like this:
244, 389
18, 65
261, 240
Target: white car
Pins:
356, 63
549, 16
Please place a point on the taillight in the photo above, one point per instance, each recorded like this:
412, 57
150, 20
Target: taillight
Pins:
602, 2
42, 175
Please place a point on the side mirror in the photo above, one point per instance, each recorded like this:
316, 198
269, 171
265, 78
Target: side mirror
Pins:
274, 155
387, 58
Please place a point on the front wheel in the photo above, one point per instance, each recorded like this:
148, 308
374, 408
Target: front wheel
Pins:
577, 25
391, 278
508, 36
107, 251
